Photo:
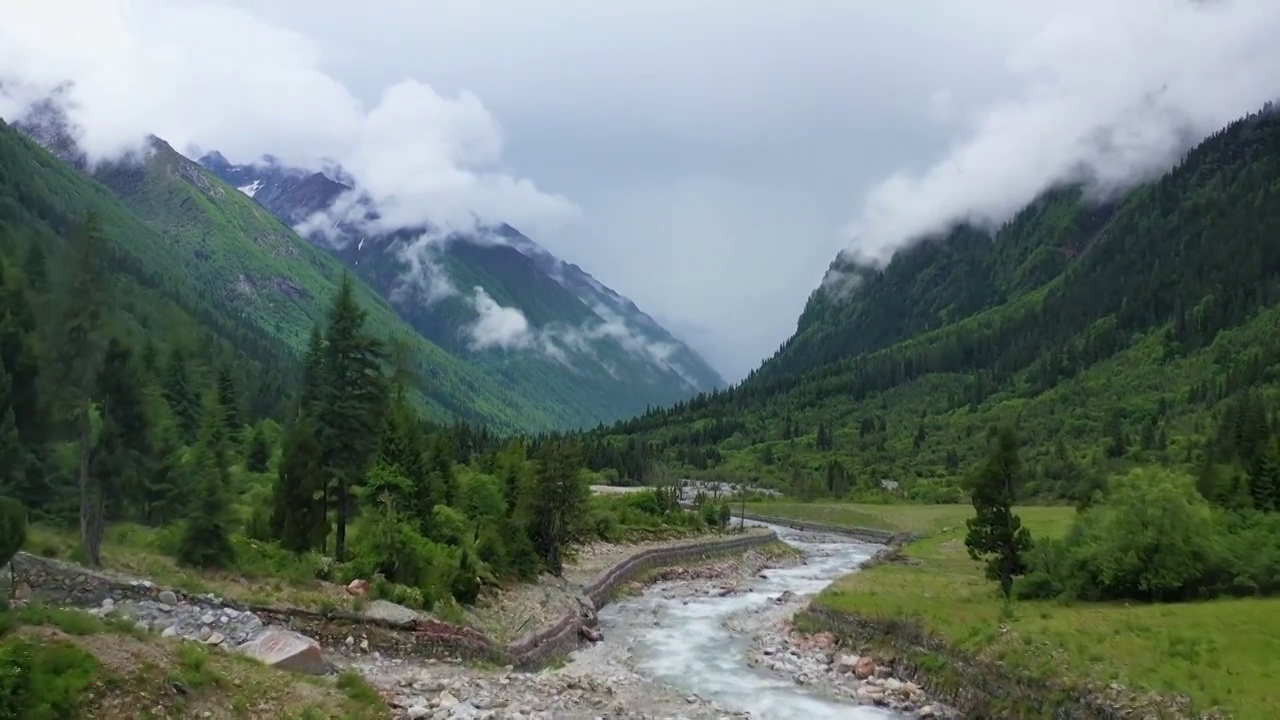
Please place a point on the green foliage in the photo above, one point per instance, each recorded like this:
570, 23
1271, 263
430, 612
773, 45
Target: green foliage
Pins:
996, 535
43, 681
1154, 538
206, 539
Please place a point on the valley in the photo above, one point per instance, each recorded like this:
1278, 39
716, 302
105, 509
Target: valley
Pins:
326, 434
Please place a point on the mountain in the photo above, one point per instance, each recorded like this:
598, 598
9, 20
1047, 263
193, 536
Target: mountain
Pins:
1110, 333
491, 296
245, 263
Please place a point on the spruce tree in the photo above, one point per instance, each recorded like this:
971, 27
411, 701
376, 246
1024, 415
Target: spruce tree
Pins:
349, 412
229, 401
181, 395
298, 518
122, 453
258, 457
83, 297
206, 539
996, 535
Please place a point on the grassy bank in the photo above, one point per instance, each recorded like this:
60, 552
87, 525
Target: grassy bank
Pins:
61, 663
1217, 653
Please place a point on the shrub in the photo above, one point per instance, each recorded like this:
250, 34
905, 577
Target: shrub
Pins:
1154, 538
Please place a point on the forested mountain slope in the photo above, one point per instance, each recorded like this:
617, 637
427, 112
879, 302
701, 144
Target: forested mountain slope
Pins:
241, 261
1109, 332
583, 341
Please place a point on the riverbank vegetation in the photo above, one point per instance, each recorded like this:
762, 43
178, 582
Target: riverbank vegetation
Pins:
1084, 613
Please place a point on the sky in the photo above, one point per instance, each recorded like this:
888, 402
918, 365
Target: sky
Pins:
707, 159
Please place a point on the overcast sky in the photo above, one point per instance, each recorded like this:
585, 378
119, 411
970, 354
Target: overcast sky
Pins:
706, 158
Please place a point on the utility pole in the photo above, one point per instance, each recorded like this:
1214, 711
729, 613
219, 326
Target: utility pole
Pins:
742, 514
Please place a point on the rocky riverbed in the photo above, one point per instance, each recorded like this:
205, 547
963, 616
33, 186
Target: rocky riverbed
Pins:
704, 642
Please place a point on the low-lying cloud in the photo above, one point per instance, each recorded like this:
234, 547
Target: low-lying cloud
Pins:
1110, 94
204, 75
499, 327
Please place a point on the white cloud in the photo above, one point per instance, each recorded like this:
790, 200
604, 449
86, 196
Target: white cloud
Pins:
1108, 92
498, 326
207, 75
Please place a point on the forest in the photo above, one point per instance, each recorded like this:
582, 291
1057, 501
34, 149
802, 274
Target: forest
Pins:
1112, 332
118, 406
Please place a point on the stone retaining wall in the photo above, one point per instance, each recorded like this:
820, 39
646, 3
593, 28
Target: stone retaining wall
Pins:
979, 689
563, 636
868, 535
66, 584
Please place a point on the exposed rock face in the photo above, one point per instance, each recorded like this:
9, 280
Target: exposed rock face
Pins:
387, 611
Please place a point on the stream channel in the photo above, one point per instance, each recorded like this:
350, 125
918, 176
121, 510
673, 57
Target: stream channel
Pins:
691, 648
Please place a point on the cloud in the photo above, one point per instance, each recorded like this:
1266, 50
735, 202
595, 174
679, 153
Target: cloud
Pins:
1109, 93
201, 74
498, 326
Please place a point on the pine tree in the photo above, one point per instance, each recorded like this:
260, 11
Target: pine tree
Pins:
298, 512
180, 393
258, 457
996, 535
229, 401
206, 539
122, 453
349, 416
83, 299
559, 496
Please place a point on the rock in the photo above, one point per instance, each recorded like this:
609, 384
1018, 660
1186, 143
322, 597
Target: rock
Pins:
387, 611
207, 618
215, 639
23, 592
287, 650
170, 631
358, 587
846, 663
865, 668
446, 700
419, 711
168, 597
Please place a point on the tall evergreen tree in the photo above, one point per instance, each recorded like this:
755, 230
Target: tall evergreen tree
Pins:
559, 497
83, 297
996, 535
229, 401
298, 512
181, 394
349, 416
122, 452
206, 539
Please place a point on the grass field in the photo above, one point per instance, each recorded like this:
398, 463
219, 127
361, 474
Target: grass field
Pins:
1218, 653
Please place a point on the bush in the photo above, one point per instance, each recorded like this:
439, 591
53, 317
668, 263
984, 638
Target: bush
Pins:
43, 681
1154, 538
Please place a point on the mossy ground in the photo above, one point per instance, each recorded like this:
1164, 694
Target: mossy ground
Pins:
1220, 653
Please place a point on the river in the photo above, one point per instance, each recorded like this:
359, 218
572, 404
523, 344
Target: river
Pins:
692, 649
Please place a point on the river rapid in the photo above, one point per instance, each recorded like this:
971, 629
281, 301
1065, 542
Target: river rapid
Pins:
698, 644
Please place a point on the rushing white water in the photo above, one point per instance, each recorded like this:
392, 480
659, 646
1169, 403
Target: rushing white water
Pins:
691, 648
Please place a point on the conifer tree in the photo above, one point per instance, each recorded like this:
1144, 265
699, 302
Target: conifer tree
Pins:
180, 392
83, 298
349, 413
996, 535
122, 452
206, 539
298, 512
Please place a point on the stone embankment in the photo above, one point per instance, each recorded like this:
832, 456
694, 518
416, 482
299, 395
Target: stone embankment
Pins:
868, 535
382, 626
